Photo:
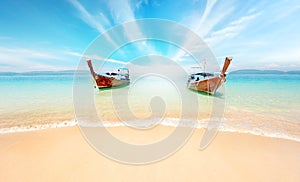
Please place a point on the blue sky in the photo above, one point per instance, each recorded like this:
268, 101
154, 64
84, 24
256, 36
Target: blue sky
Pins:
53, 34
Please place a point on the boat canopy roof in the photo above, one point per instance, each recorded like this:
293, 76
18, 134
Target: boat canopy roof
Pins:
120, 71
123, 69
204, 74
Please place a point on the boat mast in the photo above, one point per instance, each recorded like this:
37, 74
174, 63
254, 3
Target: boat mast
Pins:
89, 62
204, 67
225, 66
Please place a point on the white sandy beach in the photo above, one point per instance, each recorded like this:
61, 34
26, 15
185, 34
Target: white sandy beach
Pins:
63, 155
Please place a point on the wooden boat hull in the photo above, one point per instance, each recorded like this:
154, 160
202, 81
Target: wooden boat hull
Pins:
102, 81
209, 85
108, 82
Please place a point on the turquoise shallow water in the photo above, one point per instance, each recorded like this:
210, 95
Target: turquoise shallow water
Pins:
35, 98
266, 93
267, 104
264, 104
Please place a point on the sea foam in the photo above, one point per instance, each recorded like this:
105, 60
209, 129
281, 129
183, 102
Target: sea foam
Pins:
223, 126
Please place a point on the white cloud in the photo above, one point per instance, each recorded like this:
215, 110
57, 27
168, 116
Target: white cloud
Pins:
95, 22
100, 22
25, 53
214, 13
115, 61
208, 9
139, 3
179, 56
24, 59
99, 58
291, 56
233, 29
280, 66
216, 25
282, 10
77, 54
272, 65
95, 57
121, 11
202, 24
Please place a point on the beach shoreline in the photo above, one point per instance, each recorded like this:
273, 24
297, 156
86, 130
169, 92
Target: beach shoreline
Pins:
63, 154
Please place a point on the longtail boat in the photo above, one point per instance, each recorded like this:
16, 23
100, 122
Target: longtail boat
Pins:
208, 82
109, 79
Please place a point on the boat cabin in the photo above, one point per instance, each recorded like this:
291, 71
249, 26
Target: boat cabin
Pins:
121, 74
200, 76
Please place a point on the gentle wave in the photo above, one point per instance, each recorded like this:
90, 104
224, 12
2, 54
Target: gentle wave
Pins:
224, 126
36, 127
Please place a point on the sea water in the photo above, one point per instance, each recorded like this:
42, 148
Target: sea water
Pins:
259, 103
268, 103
